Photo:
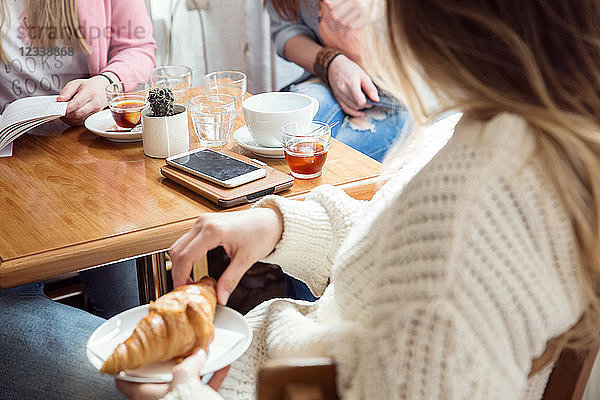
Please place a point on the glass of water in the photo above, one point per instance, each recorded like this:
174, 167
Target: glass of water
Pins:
178, 78
213, 116
233, 83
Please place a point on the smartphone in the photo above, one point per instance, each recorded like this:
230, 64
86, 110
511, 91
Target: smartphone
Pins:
216, 167
387, 101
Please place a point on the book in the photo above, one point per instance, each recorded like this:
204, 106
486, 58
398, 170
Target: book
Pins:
25, 114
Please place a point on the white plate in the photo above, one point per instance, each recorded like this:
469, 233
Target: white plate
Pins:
99, 122
244, 139
232, 338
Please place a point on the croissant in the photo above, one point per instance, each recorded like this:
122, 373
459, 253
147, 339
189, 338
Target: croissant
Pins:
176, 324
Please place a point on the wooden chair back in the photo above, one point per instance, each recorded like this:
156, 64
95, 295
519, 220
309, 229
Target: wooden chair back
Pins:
571, 373
314, 378
297, 379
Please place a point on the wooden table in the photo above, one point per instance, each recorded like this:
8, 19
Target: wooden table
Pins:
73, 200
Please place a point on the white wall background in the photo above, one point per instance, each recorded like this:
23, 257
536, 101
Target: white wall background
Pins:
236, 37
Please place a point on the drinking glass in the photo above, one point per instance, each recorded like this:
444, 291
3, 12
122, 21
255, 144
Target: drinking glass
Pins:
306, 145
126, 100
233, 83
213, 116
178, 78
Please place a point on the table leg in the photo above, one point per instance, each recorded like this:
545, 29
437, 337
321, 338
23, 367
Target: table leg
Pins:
152, 277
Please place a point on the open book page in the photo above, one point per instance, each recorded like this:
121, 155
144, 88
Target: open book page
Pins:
25, 114
7, 151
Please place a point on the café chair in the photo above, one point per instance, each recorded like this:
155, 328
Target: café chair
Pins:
314, 378
297, 379
571, 373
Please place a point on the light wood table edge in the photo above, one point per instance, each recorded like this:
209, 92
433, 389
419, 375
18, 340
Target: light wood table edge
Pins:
359, 189
87, 255
144, 242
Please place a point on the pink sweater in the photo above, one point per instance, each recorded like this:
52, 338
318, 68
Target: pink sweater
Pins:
119, 33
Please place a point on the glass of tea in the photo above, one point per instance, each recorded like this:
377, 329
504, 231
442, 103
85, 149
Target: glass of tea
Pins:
213, 116
178, 78
233, 83
306, 145
126, 101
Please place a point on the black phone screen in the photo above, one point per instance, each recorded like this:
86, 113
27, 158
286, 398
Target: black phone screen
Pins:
215, 165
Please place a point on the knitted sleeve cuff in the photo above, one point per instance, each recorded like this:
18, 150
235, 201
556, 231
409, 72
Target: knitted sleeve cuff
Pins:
192, 391
305, 248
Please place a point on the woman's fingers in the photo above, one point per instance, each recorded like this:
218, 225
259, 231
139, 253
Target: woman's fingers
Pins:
142, 391
179, 270
369, 88
78, 116
347, 102
232, 275
345, 14
347, 80
246, 236
218, 377
80, 99
359, 100
191, 249
85, 97
69, 90
350, 110
189, 369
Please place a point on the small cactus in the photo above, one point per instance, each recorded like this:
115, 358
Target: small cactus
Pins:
161, 101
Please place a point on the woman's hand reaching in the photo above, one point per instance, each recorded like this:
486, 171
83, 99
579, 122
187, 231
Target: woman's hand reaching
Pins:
85, 97
247, 236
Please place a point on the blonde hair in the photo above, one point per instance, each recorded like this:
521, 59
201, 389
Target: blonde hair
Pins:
539, 59
48, 22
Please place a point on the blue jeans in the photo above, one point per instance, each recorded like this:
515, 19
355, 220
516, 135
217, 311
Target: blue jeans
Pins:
112, 288
371, 135
42, 342
42, 347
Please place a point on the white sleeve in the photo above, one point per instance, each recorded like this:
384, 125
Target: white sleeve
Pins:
313, 231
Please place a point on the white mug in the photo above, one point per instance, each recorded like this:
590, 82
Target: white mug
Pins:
266, 113
166, 136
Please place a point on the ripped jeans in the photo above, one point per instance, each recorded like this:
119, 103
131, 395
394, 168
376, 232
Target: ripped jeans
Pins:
371, 135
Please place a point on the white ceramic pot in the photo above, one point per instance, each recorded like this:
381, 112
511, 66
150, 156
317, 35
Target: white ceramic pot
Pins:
166, 136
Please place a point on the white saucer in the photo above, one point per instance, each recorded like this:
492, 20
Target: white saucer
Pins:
244, 139
99, 122
231, 339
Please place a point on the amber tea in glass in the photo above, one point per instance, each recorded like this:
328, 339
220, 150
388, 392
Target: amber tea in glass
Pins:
127, 113
306, 145
126, 101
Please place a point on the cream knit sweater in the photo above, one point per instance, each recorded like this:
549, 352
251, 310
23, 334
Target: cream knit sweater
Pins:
444, 286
